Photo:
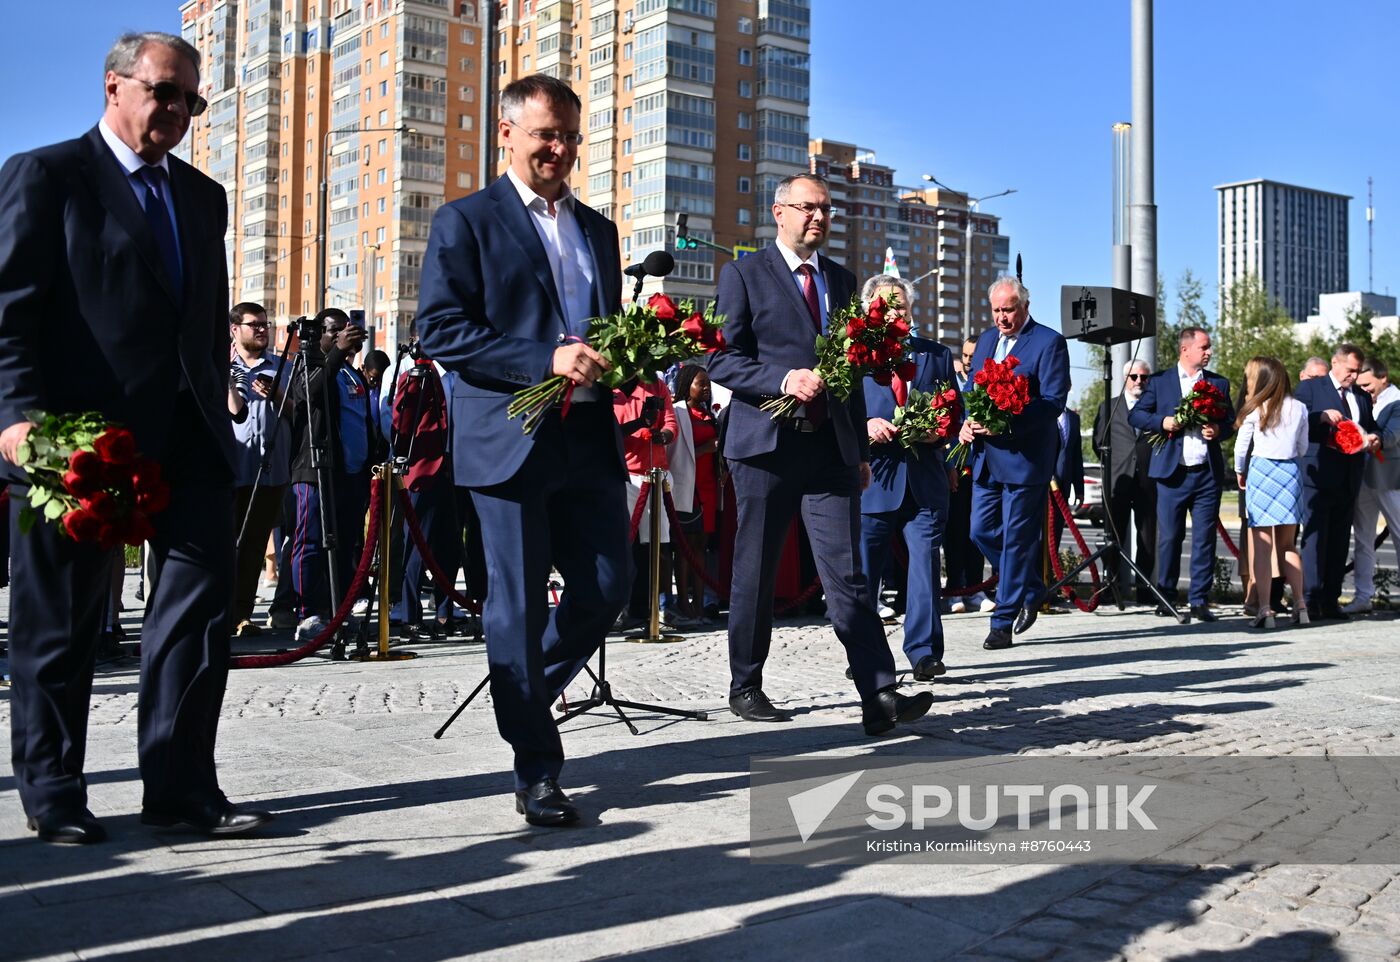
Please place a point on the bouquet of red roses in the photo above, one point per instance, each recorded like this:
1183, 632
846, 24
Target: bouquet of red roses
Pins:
1203, 404
858, 342
927, 416
998, 394
86, 475
1348, 438
638, 341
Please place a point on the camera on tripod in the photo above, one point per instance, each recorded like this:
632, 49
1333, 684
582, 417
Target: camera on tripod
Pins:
307, 330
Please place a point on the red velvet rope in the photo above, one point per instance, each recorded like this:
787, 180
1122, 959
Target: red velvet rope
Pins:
356, 584
441, 579
1058, 501
642, 494
1230, 545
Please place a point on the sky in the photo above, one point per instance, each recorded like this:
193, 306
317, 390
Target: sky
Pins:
989, 95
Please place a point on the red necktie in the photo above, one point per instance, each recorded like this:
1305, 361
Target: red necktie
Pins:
816, 408
901, 390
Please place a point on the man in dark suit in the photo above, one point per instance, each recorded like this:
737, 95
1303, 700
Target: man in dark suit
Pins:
1189, 470
511, 277
1011, 472
1124, 452
114, 298
908, 493
775, 303
1331, 479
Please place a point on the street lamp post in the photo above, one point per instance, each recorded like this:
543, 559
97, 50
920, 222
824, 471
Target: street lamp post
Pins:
323, 207
972, 204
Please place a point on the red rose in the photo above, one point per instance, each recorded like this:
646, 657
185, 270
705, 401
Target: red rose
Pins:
853, 327
108, 536
907, 370
87, 464
876, 312
102, 505
880, 357
138, 529
81, 486
980, 378
81, 524
882, 378
662, 306
115, 446
712, 340
900, 327
694, 325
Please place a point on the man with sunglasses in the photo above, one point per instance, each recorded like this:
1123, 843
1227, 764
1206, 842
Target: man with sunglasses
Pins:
511, 277
817, 462
114, 298
1134, 494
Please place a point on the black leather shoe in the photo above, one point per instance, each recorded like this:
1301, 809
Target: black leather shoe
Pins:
220, 817
1333, 613
68, 828
1024, 619
881, 714
544, 803
753, 705
997, 639
928, 669
1202, 613
1163, 611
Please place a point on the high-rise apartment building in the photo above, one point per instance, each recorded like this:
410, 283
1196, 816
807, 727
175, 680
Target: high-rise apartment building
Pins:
1292, 239
693, 106
928, 230
377, 104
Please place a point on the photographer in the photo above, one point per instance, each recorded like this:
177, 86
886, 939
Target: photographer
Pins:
342, 425
262, 444
648, 422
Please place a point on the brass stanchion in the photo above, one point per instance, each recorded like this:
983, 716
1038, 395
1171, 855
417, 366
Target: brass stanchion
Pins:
383, 474
658, 481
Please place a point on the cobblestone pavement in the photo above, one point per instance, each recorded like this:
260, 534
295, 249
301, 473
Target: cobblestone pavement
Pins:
390, 843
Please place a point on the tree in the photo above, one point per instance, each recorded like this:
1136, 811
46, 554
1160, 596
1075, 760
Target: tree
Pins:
1189, 312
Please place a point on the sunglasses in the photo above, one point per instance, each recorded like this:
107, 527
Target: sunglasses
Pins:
167, 93
1136, 377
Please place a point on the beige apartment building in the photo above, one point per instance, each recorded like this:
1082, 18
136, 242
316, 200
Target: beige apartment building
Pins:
927, 230
377, 104
389, 106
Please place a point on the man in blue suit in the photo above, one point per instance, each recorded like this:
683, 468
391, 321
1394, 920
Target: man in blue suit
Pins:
114, 298
1189, 470
1331, 479
775, 303
511, 277
1011, 472
908, 492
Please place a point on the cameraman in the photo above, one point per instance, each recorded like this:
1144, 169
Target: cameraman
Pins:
262, 442
648, 422
342, 424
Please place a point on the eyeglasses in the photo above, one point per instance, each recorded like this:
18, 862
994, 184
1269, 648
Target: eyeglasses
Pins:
167, 93
254, 325
808, 209
569, 138
1136, 377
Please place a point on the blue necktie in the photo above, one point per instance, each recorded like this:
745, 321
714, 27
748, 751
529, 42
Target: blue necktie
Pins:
158, 216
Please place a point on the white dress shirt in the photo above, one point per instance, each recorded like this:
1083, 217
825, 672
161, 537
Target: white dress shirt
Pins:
793, 263
1285, 441
1352, 412
1194, 450
132, 163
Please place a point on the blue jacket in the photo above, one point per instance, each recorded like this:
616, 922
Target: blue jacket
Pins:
1025, 454
1324, 466
894, 469
488, 310
1158, 402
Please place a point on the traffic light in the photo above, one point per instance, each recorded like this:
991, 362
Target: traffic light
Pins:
681, 240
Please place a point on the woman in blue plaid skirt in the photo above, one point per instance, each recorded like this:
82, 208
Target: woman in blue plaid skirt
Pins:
1273, 435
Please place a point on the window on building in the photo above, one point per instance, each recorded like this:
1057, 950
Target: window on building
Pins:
743, 214
745, 88
745, 57
381, 205
379, 235
745, 120
383, 88
745, 25
745, 152
383, 175
745, 185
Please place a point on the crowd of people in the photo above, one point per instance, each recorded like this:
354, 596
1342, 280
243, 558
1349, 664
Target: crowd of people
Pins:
268, 449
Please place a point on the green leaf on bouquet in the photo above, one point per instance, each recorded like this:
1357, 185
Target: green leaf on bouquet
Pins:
38, 496
24, 453
53, 510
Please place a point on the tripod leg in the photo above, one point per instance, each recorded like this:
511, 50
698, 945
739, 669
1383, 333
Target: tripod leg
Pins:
462, 707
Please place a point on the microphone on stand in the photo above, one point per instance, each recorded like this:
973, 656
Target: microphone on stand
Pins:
657, 264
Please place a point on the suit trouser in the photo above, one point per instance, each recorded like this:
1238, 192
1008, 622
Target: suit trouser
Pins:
1008, 524
1371, 503
310, 573
923, 533
564, 506
1136, 497
436, 508
267, 507
1197, 491
56, 603
805, 472
1326, 538
960, 552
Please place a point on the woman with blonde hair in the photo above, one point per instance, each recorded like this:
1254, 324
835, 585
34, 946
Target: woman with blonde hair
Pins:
1273, 435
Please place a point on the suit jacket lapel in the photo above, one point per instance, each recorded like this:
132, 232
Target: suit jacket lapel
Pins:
191, 227
113, 190
516, 219
783, 278
584, 216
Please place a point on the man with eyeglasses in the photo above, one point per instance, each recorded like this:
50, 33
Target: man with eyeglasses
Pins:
114, 298
775, 304
511, 277
1133, 495
1331, 479
263, 442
